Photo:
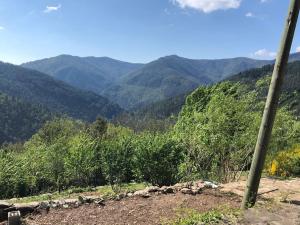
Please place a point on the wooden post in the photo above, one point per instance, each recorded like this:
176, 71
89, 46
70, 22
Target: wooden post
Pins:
14, 218
271, 107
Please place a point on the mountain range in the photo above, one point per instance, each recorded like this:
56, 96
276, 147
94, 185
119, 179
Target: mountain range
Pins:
132, 85
41, 89
87, 87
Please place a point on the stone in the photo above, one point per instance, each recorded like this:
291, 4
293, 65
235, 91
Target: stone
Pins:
186, 191
25, 210
196, 191
65, 206
152, 189
142, 193
169, 190
209, 184
99, 201
166, 190
120, 197
44, 205
4, 205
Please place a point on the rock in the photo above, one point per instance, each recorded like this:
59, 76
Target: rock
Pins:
4, 205
152, 189
196, 191
209, 184
81, 199
62, 202
99, 201
169, 190
142, 193
186, 191
166, 190
120, 196
44, 205
65, 206
129, 194
71, 201
25, 210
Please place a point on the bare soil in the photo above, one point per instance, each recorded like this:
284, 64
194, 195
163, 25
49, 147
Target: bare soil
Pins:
278, 204
136, 210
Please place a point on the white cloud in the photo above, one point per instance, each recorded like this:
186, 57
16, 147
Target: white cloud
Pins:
263, 1
2, 28
50, 9
264, 53
208, 6
250, 14
298, 49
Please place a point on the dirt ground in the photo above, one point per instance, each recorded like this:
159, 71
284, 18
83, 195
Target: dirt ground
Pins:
136, 210
278, 204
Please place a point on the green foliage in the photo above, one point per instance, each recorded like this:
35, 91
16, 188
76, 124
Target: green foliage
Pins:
98, 128
37, 88
214, 139
219, 127
19, 120
157, 159
285, 163
83, 161
117, 159
88, 73
214, 216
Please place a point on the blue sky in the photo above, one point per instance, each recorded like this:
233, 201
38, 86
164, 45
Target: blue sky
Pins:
141, 30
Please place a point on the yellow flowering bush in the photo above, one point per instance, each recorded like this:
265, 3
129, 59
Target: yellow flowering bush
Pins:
285, 163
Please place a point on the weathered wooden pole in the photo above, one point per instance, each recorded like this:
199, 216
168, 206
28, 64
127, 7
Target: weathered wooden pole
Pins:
271, 107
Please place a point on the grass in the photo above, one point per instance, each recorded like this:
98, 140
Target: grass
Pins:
103, 191
215, 216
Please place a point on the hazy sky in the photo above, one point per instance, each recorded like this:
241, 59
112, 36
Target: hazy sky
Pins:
141, 30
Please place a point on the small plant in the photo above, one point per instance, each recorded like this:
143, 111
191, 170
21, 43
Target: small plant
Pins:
192, 217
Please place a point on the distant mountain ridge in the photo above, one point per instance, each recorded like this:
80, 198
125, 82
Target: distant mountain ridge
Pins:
38, 88
87, 73
131, 85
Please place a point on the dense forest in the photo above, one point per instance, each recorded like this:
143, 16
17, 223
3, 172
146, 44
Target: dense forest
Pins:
290, 92
212, 138
38, 88
19, 120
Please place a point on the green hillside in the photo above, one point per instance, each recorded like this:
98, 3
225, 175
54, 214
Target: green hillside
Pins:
132, 85
20, 120
88, 73
57, 96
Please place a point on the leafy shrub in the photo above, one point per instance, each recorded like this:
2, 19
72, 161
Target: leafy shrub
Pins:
285, 163
83, 160
117, 156
157, 159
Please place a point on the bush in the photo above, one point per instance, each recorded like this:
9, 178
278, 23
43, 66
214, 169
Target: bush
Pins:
285, 163
83, 161
117, 156
157, 159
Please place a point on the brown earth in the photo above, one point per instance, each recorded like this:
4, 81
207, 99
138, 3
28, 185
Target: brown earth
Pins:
278, 204
137, 210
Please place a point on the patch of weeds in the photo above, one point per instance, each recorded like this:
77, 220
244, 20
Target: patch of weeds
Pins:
216, 216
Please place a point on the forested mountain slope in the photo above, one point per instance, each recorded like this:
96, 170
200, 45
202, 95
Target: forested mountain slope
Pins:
88, 73
131, 85
290, 95
38, 88
172, 76
20, 120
